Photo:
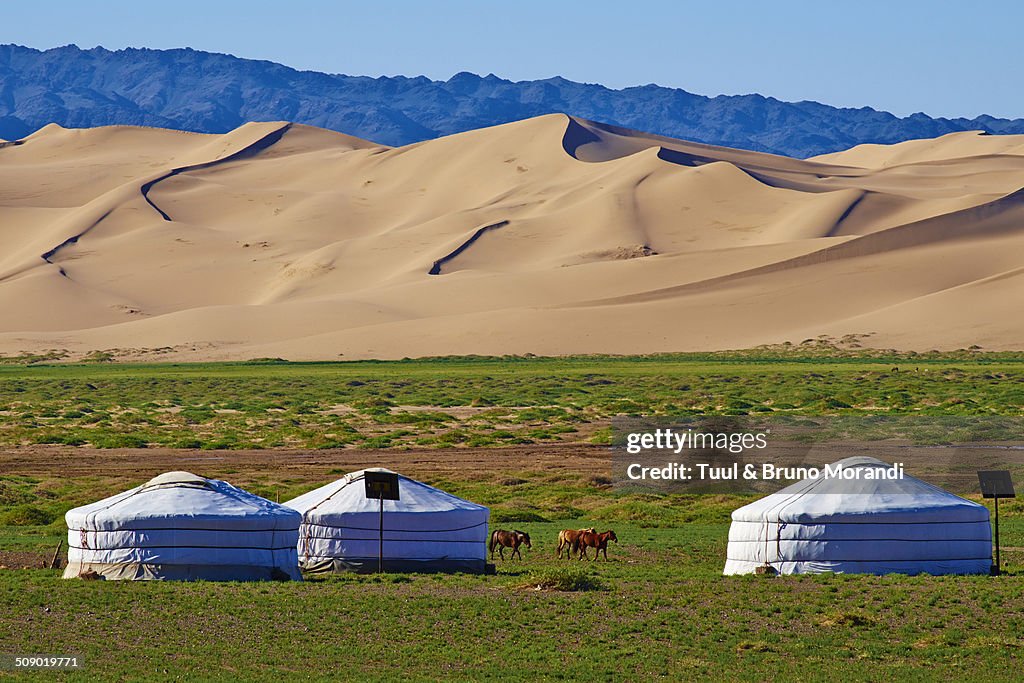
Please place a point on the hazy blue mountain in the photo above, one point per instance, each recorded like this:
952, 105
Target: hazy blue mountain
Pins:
202, 91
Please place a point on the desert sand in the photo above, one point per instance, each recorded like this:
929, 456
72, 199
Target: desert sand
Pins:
550, 236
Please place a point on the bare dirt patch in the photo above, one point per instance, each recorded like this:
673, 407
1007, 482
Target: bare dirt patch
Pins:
130, 463
10, 559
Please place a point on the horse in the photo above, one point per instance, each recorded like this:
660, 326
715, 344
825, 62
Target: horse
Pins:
502, 539
569, 539
592, 539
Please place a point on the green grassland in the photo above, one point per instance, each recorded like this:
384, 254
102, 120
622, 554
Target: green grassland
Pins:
659, 609
473, 402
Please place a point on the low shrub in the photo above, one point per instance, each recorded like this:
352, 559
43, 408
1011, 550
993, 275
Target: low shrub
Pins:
27, 515
566, 579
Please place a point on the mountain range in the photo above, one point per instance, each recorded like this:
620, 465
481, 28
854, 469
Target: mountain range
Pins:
190, 90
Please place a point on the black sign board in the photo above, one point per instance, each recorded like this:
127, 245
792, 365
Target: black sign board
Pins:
382, 485
996, 484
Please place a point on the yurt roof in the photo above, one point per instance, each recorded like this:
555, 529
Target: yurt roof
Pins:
864, 500
176, 478
348, 495
182, 500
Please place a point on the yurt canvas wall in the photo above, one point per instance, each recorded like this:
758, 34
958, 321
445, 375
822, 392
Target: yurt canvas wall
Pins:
425, 530
873, 526
183, 527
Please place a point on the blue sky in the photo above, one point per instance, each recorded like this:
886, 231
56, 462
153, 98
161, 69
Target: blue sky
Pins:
945, 59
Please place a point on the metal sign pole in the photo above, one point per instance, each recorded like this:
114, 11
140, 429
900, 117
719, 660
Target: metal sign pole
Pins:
998, 566
382, 485
996, 484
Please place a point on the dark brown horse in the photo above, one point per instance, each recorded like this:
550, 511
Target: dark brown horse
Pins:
591, 539
502, 539
569, 540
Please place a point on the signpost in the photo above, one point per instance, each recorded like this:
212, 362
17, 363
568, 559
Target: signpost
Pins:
996, 484
381, 486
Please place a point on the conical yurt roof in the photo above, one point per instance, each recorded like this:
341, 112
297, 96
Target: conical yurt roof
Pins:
182, 500
818, 500
348, 496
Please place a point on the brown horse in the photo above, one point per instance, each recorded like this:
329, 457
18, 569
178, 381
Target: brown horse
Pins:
569, 540
591, 539
502, 539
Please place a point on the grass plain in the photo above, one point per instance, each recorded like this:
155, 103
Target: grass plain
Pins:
474, 401
522, 436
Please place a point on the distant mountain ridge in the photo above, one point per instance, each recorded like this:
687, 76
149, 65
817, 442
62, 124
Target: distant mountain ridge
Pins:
214, 93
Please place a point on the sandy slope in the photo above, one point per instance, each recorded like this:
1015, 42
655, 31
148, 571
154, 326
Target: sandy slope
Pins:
548, 236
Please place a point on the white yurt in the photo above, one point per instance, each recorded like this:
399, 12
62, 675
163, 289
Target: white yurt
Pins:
179, 526
426, 529
861, 525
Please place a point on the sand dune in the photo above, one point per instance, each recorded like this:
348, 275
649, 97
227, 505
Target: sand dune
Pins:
552, 235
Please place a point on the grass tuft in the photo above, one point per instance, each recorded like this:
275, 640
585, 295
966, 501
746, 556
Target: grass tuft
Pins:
854, 619
564, 579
